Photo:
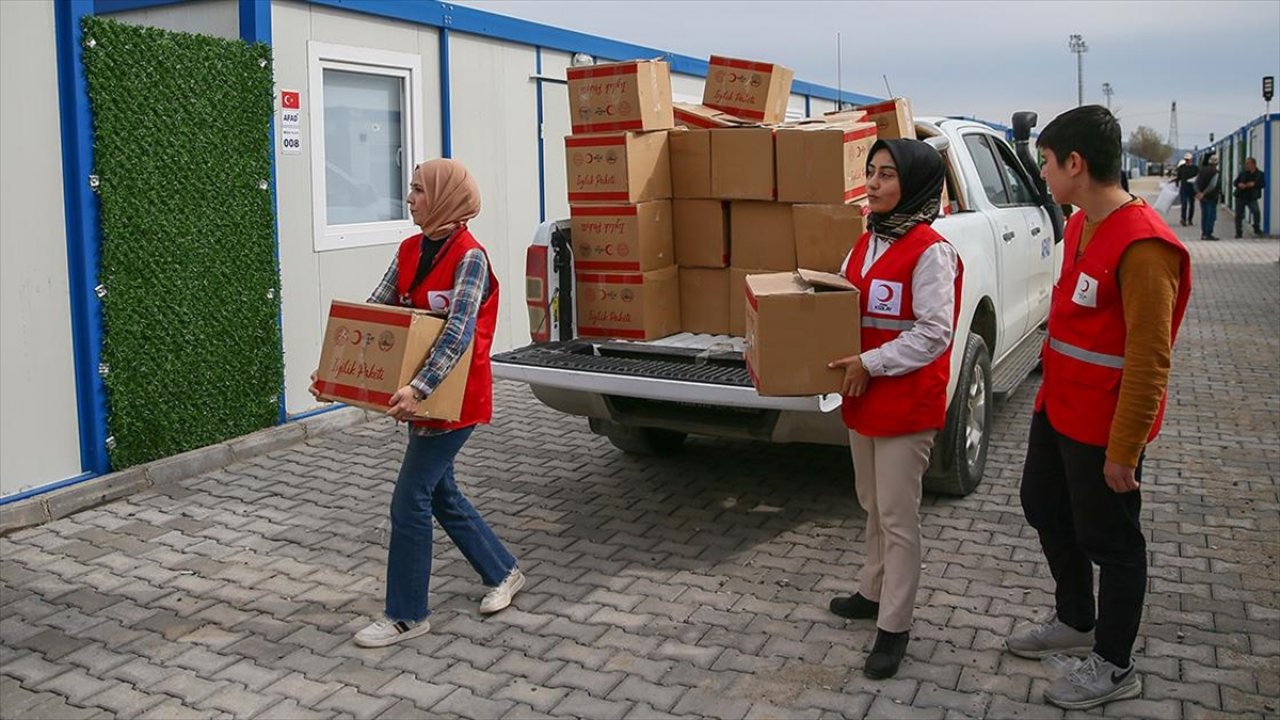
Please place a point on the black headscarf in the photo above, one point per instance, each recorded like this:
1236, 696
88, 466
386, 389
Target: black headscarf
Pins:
921, 175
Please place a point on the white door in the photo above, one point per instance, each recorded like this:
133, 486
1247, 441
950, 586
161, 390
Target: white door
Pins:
1013, 242
1035, 251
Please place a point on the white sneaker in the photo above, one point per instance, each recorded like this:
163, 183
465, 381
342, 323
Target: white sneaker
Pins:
500, 596
385, 631
1094, 682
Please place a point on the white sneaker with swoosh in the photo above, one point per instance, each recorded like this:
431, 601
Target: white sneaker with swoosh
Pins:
1094, 682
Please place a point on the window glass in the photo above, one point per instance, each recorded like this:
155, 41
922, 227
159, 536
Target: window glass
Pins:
1015, 179
988, 171
363, 147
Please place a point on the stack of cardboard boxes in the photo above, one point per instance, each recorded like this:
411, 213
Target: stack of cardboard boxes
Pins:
619, 177
674, 205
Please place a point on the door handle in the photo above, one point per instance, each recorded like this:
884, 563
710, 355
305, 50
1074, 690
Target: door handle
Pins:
1035, 230
1008, 235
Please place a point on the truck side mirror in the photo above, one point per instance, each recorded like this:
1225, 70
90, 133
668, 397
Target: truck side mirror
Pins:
1023, 121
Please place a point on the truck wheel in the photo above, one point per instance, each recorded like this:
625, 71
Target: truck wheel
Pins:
960, 450
639, 440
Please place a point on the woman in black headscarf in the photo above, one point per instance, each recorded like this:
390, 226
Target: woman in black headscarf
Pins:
895, 391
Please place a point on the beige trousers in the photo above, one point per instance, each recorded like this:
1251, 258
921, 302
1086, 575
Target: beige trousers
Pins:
887, 475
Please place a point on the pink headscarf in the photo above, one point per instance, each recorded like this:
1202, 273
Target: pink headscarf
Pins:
452, 196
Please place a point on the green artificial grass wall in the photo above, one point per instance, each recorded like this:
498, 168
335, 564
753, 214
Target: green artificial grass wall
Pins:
190, 287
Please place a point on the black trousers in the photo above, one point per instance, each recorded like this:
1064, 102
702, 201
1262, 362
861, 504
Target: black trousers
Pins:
1082, 522
1255, 217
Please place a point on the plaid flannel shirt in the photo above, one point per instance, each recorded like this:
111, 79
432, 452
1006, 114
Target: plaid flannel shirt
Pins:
470, 287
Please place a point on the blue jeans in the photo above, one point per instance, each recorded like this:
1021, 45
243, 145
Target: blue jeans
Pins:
1208, 216
424, 489
1187, 195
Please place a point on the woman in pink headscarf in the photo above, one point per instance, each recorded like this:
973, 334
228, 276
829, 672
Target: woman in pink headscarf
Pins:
446, 270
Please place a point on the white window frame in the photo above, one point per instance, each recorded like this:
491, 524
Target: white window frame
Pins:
408, 67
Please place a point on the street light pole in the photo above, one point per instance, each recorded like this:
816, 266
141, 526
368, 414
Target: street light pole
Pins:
1078, 46
1108, 91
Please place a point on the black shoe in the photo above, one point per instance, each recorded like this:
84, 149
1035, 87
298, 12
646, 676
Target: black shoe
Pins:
854, 607
1212, 237
886, 655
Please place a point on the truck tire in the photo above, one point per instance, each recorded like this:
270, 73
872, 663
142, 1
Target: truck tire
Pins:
960, 450
639, 440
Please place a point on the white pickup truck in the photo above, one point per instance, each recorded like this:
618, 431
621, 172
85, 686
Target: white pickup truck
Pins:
647, 397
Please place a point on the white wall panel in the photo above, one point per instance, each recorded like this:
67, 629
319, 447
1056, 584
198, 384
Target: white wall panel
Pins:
220, 18
555, 126
817, 106
687, 88
310, 280
495, 134
39, 433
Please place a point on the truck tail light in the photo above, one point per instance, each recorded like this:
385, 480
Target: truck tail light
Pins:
535, 293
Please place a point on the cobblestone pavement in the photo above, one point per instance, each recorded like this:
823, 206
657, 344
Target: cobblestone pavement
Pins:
694, 585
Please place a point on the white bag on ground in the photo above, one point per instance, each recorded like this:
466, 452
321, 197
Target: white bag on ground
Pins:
1168, 194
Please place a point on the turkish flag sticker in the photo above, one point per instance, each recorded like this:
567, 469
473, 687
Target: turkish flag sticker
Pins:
290, 100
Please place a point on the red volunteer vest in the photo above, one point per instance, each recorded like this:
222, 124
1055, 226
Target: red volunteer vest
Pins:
435, 293
1083, 357
908, 403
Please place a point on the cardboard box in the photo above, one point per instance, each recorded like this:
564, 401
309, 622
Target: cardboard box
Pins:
826, 233
701, 233
742, 163
691, 164
846, 115
632, 95
892, 118
751, 90
627, 167
622, 238
797, 323
703, 117
704, 300
738, 298
370, 351
823, 162
762, 235
635, 306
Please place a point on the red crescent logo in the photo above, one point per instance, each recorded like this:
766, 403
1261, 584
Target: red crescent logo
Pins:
888, 293
356, 337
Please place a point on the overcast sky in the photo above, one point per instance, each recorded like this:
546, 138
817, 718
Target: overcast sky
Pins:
985, 59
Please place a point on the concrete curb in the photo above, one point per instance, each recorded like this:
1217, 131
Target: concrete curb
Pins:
45, 507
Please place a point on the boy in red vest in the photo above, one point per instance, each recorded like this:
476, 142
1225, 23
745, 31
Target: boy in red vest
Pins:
1113, 320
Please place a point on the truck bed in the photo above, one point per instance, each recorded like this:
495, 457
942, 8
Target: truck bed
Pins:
685, 357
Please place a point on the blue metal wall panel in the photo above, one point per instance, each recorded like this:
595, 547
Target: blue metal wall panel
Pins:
83, 240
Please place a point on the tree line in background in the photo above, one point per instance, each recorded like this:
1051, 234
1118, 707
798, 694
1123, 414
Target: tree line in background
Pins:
1149, 145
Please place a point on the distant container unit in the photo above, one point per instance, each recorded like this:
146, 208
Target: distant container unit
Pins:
364, 90
1259, 139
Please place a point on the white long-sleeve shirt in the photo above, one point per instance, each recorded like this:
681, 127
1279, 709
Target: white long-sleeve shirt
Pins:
933, 302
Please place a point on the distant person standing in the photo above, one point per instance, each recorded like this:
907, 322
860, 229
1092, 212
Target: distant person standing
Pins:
1185, 176
1208, 191
1248, 188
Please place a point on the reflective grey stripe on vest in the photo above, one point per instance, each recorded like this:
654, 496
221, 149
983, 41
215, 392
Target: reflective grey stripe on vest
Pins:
887, 324
1093, 358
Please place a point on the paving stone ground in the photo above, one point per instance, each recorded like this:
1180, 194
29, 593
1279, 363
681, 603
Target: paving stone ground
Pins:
688, 586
